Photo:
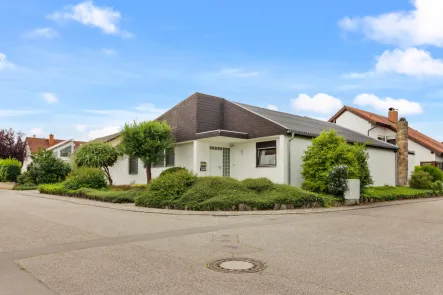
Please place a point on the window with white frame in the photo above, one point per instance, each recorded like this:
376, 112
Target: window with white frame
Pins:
66, 152
266, 153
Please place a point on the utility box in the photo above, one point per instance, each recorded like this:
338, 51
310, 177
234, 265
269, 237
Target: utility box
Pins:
352, 194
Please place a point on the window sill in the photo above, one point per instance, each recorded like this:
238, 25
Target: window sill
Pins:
266, 166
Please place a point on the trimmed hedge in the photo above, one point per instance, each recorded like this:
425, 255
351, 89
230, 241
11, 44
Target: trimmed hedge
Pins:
10, 169
173, 170
222, 193
392, 193
25, 187
87, 193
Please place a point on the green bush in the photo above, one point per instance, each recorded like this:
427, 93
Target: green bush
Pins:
329, 150
337, 180
25, 178
437, 187
391, 193
86, 178
10, 169
25, 187
165, 189
420, 179
258, 184
47, 168
436, 173
173, 170
87, 193
222, 193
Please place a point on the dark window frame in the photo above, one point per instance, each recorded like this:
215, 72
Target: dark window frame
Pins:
133, 166
265, 145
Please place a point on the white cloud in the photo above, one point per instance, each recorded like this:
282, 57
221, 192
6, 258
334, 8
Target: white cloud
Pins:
422, 25
80, 127
48, 32
103, 132
320, 103
86, 13
5, 63
412, 61
272, 107
150, 108
109, 51
404, 106
49, 97
237, 73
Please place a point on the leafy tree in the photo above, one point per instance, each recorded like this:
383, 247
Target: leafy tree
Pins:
329, 150
47, 168
12, 145
148, 141
96, 155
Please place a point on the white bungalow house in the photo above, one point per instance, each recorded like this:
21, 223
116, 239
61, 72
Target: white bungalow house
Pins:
217, 137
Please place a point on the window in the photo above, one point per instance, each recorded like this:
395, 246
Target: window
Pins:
266, 154
170, 157
133, 165
381, 137
391, 140
66, 152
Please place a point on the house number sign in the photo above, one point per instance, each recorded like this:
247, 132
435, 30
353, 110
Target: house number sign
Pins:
203, 166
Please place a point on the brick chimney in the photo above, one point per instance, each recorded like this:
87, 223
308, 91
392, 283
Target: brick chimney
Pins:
393, 115
403, 152
51, 139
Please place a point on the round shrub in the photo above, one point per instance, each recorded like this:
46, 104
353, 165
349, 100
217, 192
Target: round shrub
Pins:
337, 180
47, 168
258, 184
10, 169
420, 179
173, 170
437, 187
86, 178
165, 189
436, 173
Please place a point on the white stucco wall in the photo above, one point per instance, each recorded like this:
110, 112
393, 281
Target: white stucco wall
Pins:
382, 166
353, 122
422, 154
411, 164
120, 172
243, 161
298, 147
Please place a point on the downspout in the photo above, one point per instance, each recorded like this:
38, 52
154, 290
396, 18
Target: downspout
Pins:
289, 158
372, 129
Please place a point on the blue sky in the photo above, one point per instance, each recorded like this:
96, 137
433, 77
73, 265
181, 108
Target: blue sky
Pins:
80, 69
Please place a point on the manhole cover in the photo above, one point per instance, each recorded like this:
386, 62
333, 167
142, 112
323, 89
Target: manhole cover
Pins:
237, 265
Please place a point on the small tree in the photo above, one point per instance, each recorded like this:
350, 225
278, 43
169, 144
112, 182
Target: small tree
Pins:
148, 141
96, 155
47, 168
329, 150
12, 145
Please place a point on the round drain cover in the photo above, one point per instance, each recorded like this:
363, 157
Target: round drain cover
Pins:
237, 265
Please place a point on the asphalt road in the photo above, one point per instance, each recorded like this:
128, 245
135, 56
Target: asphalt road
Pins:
55, 246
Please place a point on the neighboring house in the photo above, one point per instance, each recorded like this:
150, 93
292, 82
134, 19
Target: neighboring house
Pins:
60, 147
427, 150
217, 137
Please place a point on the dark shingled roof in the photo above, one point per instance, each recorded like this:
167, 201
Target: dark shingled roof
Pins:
310, 127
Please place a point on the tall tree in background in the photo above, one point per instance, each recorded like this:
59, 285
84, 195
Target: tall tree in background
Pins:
12, 145
147, 141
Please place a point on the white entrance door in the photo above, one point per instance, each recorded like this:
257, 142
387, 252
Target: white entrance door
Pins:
216, 162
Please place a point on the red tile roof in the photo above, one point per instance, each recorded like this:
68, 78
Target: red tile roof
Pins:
35, 143
414, 135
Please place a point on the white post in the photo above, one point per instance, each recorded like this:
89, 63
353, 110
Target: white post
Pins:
352, 194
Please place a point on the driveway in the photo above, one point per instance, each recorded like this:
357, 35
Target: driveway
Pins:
50, 245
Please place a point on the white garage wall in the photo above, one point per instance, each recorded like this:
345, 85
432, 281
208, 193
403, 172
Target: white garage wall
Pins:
411, 164
382, 165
